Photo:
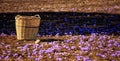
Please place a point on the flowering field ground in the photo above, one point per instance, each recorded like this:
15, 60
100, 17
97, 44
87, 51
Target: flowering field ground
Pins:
92, 47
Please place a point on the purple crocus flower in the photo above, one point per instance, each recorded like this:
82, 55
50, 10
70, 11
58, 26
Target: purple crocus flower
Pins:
57, 35
12, 34
35, 45
113, 60
59, 59
101, 55
49, 55
34, 53
29, 56
23, 49
2, 56
49, 50
26, 45
6, 57
67, 41
100, 45
41, 45
19, 58
38, 34
81, 42
2, 34
109, 45
84, 48
3, 52
65, 33
70, 33
40, 56
41, 51
7, 46
78, 57
110, 41
117, 53
91, 39
116, 43
113, 55
73, 47
2, 43
56, 47
86, 59
64, 53
37, 59
65, 58
15, 55
72, 9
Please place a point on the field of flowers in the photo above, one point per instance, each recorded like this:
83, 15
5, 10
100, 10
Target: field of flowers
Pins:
70, 30
92, 47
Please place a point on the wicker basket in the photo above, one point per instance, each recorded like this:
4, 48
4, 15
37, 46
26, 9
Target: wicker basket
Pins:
27, 27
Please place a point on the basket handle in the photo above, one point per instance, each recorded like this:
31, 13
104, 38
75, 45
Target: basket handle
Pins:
16, 17
37, 15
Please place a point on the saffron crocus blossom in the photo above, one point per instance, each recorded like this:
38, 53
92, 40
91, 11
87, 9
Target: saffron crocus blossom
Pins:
57, 35
35, 45
56, 47
7, 46
73, 47
49, 50
110, 41
6, 57
37, 59
113, 55
59, 59
15, 55
67, 41
91, 39
12, 34
101, 55
2, 34
109, 45
116, 44
19, 58
86, 59
78, 58
84, 48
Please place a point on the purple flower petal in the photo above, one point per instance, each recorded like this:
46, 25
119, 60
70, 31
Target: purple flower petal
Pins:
116, 43
101, 55
15, 55
7, 46
37, 59
113, 55
86, 59
59, 59
6, 57
73, 47
109, 45
2, 34
84, 48
78, 57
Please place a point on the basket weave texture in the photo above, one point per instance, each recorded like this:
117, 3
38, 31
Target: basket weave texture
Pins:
27, 27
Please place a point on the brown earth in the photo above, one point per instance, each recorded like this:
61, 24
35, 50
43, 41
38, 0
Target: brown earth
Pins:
102, 6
